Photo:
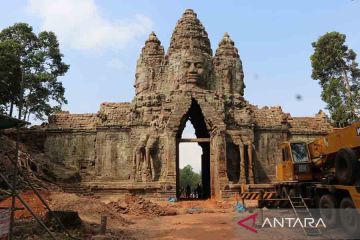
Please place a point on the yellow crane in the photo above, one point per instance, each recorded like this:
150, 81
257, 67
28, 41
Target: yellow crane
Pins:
334, 156
325, 172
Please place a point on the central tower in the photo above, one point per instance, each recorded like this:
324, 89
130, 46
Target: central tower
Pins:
189, 64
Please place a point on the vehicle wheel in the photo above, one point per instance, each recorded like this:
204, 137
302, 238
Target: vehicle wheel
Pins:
349, 217
327, 205
316, 201
346, 166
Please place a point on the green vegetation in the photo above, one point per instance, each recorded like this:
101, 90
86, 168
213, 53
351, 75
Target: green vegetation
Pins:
30, 65
334, 65
189, 177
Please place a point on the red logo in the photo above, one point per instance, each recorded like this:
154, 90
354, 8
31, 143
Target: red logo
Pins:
248, 227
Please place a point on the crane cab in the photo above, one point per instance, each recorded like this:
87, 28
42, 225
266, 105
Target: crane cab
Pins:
295, 164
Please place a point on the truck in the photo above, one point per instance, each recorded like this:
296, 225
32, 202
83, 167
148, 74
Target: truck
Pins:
324, 172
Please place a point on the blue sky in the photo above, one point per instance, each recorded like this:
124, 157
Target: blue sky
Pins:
101, 40
273, 37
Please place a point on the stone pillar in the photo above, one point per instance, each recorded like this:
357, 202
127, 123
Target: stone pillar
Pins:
221, 179
171, 158
242, 178
251, 172
213, 159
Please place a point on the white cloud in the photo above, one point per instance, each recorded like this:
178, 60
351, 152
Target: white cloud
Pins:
79, 24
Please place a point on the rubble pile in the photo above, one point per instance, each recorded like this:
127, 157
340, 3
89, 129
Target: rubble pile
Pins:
138, 206
89, 208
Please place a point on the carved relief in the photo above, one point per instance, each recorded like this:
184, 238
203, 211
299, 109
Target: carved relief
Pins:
139, 158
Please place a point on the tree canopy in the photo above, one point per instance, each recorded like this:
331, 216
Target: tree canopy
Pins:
189, 177
30, 65
334, 66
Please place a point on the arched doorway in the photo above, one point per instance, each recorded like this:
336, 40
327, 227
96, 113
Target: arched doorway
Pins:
196, 118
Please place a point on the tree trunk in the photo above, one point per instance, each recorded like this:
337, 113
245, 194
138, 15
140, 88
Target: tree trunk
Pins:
347, 83
349, 94
25, 113
11, 108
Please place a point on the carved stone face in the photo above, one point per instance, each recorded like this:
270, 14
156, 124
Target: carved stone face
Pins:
140, 84
193, 69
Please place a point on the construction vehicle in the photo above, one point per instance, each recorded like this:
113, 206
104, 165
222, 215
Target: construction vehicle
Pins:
325, 173
334, 157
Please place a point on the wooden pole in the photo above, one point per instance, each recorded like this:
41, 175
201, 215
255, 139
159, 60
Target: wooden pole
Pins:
103, 225
15, 173
14, 183
195, 140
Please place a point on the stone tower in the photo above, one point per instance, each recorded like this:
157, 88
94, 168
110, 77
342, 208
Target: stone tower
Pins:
189, 63
134, 147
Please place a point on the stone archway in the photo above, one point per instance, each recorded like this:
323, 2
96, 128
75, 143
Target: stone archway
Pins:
196, 117
211, 128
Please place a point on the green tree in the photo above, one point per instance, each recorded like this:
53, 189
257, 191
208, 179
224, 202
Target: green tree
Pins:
334, 65
189, 177
9, 70
29, 69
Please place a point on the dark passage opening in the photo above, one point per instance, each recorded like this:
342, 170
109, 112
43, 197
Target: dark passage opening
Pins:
196, 118
233, 163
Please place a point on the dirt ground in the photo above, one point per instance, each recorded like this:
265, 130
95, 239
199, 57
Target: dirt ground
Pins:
214, 225
133, 217
208, 225
31, 200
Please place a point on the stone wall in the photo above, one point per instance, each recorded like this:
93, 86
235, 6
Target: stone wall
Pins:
75, 150
267, 153
114, 114
65, 120
113, 155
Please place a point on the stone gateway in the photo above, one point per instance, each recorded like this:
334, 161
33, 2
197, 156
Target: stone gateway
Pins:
134, 147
